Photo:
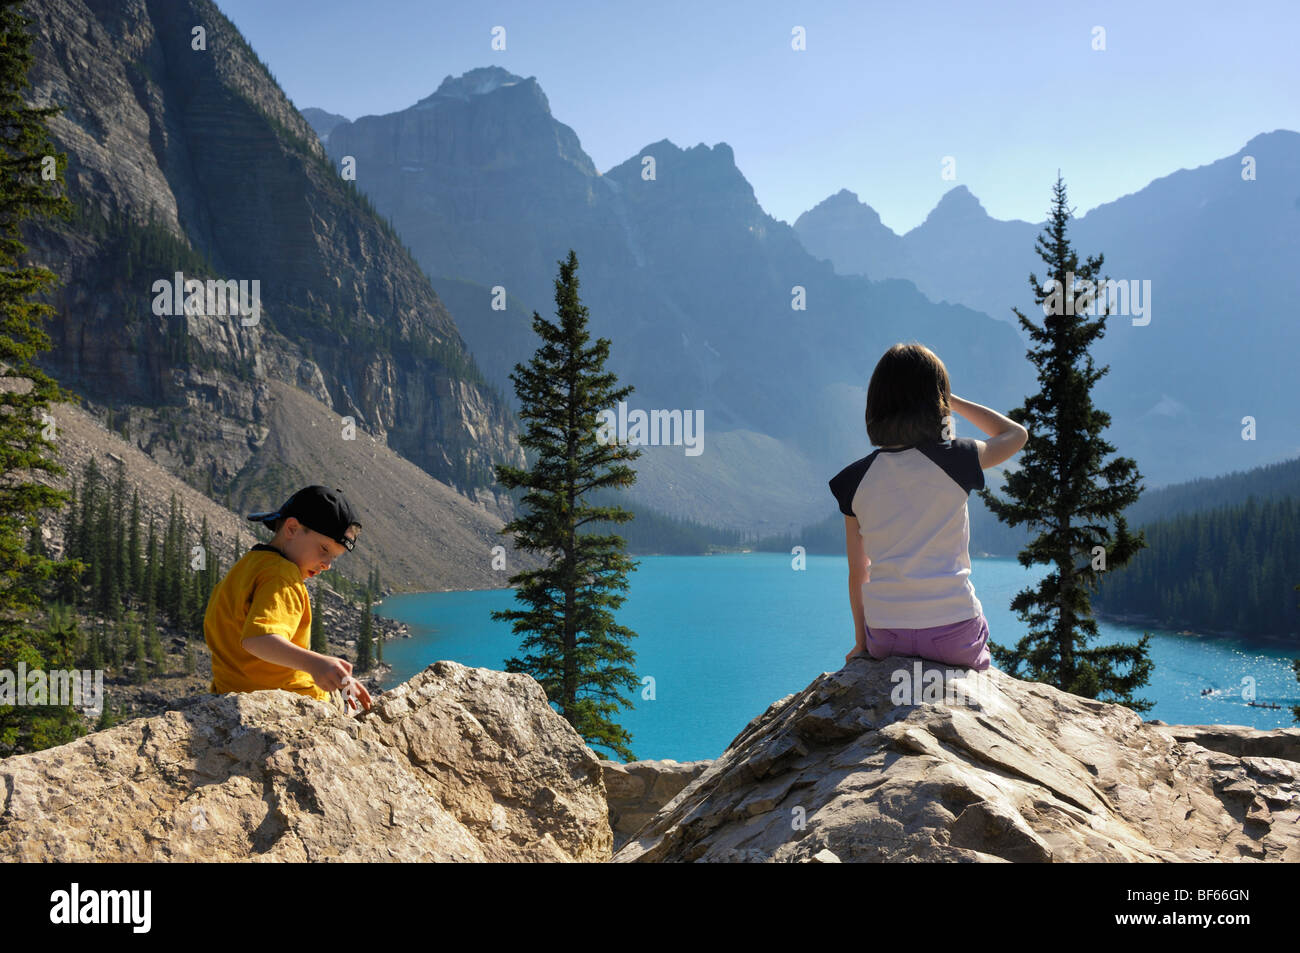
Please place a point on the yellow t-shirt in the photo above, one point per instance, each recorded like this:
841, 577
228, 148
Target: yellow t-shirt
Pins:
262, 594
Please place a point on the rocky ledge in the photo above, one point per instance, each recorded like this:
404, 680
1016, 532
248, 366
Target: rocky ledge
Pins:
459, 763
995, 769
474, 765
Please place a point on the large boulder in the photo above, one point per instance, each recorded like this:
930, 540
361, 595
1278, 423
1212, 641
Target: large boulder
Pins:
973, 767
636, 790
458, 763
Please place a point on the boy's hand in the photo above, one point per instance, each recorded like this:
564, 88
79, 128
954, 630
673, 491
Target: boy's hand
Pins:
329, 672
354, 692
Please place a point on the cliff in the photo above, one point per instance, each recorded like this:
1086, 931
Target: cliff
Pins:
472, 764
193, 161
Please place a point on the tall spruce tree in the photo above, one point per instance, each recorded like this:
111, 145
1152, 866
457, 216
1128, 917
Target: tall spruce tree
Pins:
372, 590
580, 655
1295, 667
149, 581
133, 545
121, 561
365, 657
175, 563
318, 641
1063, 488
31, 185
202, 582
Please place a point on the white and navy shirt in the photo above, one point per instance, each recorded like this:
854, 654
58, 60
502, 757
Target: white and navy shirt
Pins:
910, 503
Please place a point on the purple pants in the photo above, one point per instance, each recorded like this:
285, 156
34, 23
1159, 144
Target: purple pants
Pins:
958, 643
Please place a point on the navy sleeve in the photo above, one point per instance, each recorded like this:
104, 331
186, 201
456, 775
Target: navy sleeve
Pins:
968, 469
960, 459
845, 484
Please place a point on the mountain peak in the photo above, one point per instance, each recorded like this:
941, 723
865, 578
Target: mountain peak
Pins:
843, 205
476, 82
720, 150
960, 199
957, 204
711, 167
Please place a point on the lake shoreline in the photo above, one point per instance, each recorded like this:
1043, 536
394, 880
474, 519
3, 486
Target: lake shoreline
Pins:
1141, 620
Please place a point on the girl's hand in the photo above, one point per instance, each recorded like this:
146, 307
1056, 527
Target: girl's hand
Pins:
858, 650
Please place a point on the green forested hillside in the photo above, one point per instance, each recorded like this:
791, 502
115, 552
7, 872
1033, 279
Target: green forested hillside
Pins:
1234, 568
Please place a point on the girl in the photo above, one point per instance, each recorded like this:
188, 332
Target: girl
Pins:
906, 526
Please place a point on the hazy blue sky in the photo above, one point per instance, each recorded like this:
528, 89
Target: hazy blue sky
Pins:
1013, 90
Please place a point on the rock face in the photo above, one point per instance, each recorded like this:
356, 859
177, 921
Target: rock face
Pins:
205, 145
458, 764
638, 789
1239, 740
1002, 770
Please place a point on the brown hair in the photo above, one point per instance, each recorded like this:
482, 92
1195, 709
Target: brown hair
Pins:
908, 397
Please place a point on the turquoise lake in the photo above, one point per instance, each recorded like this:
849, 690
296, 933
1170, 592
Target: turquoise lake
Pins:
725, 636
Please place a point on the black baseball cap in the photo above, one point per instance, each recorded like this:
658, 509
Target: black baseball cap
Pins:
318, 508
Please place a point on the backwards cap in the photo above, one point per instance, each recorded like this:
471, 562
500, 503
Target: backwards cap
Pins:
318, 508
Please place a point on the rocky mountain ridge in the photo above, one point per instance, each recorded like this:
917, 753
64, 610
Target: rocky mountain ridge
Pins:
1166, 332
191, 161
709, 303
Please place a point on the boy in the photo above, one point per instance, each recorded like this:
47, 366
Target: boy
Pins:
258, 620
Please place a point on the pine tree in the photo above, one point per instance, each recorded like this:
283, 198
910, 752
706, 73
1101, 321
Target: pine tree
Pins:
108, 717
155, 647
139, 663
81, 532
372, 590
203, 582
318, 641
149, 583
172, 567
36, 544
364, 658
121, 562
103, 569
93, 656
1062, 486
1295, 667
134, 567
107, 645
31, 185
579, 654
70, 521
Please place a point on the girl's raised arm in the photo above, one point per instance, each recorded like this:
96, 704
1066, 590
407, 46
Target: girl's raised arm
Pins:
1008, 436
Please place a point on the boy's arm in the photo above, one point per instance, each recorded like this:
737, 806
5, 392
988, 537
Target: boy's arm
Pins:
275, 648
326, 671
276, 608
